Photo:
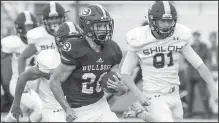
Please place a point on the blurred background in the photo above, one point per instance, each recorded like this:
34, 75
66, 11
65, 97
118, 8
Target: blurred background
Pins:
200, 16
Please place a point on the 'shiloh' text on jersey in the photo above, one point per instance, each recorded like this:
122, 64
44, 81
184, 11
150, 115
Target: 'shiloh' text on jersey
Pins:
162, 49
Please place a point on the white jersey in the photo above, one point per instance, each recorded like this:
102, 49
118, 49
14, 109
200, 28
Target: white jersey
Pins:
159, 59
41, 39
47, 61
15, 46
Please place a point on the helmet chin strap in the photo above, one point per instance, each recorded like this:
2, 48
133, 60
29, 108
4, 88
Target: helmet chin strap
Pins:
157, 34
98, 42
52, 27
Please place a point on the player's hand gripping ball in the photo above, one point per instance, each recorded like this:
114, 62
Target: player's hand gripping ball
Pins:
105, 79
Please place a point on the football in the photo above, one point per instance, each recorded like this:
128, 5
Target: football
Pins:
108, 75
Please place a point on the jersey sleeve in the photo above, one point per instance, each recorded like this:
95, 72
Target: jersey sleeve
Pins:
191, 56
118, 53
185, 35
70, 52
131, 38
129, 63
5, 47
9, 44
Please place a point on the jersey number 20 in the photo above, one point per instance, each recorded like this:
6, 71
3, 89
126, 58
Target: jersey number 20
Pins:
88, 87
160, 63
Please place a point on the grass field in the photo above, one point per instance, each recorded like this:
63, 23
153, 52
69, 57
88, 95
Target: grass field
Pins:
138, 120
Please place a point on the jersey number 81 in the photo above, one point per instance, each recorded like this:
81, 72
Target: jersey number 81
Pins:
160, 64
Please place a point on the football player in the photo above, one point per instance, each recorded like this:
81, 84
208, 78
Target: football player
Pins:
12, 47
47, 61
42, 37
157, 47
75, 83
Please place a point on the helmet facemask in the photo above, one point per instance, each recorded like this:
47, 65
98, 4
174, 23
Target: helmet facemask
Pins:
101, 31
52, 23
163, 26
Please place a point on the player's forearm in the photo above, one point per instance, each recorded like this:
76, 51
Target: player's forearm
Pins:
124, 89
206, 75
57, 91
21, 64
19, 89
129, 82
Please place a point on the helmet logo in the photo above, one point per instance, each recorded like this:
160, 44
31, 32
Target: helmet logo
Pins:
86, 12
66, 47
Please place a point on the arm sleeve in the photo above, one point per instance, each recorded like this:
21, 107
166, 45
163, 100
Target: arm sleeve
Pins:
191, 56
129, 63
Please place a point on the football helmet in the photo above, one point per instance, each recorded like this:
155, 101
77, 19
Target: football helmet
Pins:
67, 30
23, 23
53, 15
92, 18
162, 10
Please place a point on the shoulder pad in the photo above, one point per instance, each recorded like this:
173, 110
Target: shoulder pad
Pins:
48, 60
35, 34
74, 48
114, 46
116, 51
137, 37
183, 32
9, 43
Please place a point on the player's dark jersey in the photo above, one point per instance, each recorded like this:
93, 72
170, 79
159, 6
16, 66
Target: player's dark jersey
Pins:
82, 86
